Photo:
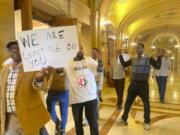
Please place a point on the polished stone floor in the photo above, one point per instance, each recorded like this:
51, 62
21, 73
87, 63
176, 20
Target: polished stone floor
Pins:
165, 117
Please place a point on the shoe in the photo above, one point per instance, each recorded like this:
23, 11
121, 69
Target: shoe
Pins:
122, 122
57, 132
147, 126
119, 107
62, 132
85, 122
162, 101
58, 127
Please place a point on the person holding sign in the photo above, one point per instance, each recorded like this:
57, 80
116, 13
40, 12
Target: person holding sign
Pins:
22, 108
81, 73
58, 92
139, 85
96, 55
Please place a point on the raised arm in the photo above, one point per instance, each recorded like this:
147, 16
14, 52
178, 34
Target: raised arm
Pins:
124, 63
42, 79
100, 65
155, 63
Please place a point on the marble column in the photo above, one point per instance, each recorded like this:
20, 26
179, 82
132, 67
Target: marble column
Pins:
26, 14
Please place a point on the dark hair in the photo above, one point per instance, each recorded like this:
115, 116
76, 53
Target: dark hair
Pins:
96, 49
10, 43
141, 44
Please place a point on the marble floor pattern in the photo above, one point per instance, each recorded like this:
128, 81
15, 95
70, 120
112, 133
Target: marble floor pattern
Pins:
165, 118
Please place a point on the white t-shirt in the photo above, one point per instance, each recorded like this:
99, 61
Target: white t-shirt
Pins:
165, 65
118, 69
82, 84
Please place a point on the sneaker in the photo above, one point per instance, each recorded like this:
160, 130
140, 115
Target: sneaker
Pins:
58, 127
122, 122
162, 101
147, 126
57, 132
62, 132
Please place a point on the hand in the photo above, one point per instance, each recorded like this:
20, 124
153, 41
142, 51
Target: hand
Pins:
44, 72
59, 70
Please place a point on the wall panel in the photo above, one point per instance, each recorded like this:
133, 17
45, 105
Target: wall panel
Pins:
6, 25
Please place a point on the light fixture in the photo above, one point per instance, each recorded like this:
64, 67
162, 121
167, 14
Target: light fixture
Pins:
105, 22
125, 36
112, 37
176, 46
133, 44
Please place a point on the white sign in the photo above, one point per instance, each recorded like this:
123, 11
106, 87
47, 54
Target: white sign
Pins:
126, 56
48, 47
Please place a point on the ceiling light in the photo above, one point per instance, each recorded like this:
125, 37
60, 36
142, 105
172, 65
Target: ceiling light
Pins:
133, 44
176, 46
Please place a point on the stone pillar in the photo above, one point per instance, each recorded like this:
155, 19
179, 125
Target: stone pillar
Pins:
176, 60
99, 30
94, 23
7, 26
26, 14
94, 28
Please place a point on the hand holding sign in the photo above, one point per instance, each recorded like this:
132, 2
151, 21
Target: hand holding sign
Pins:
44, 72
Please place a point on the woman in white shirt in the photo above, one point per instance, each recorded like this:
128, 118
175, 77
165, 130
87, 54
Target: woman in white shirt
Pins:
162, 75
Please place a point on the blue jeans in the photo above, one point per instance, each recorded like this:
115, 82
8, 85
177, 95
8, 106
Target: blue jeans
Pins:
91, 112
63, 98
161, 82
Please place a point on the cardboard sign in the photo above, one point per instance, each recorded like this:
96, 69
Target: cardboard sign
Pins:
48, 47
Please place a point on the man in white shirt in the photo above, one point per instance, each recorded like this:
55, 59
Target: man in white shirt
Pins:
162, 75
81, 73
118, 78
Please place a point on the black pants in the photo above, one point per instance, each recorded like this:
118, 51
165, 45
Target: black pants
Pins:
91, 113
119, 86
141, 89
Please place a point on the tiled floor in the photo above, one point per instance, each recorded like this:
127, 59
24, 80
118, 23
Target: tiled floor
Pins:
165, 118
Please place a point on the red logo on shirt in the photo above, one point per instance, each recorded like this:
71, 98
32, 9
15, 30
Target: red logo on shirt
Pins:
82, 81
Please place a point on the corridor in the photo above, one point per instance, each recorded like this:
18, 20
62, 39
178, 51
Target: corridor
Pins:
165, 118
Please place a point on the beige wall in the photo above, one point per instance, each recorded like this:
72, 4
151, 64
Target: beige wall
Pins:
6, 25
